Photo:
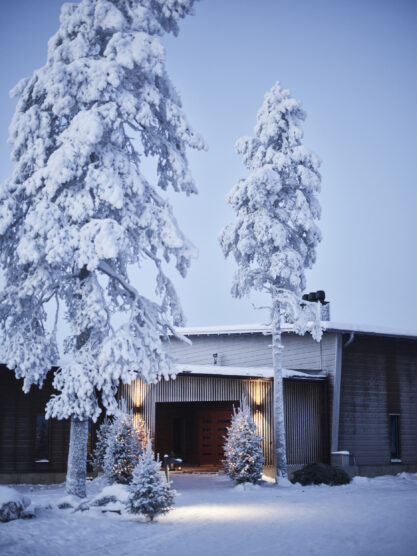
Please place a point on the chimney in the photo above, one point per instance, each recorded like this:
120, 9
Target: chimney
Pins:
319, 297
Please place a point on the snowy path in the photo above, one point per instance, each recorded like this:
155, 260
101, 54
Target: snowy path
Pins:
211, 517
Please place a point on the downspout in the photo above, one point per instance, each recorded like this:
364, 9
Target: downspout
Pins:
336, 388
348, 342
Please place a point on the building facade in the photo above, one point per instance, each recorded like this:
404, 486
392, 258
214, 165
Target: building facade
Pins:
350, 399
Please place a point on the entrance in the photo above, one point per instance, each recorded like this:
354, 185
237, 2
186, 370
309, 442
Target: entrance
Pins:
193, 431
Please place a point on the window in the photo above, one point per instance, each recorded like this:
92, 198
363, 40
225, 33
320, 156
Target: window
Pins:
394, 427
42, 440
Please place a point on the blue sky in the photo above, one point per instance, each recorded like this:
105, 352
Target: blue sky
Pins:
353, 66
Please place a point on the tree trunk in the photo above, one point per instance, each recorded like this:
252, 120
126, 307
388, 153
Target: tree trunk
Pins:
77, 458
279, 422
77, 454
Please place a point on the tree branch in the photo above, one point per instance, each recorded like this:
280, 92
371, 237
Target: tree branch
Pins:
108, 270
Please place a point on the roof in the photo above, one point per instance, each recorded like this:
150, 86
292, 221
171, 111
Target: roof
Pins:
266, 329
252, 372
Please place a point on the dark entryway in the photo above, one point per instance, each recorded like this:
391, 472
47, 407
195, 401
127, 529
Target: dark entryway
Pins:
193, 431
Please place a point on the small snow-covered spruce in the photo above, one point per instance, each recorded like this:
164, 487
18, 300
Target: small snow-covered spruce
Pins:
124, 444
150, 494
243, 448
78, 210
275, 233
99, 452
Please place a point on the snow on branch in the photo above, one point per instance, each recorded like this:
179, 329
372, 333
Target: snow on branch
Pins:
78, 204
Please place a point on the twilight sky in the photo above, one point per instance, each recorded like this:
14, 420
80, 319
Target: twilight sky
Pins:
352, 63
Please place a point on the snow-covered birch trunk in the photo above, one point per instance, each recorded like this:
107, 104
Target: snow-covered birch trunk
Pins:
279, 422
77, 458
77, 453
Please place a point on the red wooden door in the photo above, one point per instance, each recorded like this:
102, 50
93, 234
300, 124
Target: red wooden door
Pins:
211, 432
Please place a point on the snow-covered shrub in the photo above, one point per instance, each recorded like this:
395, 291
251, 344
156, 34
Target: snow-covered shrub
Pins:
111, 498
110, 493
124, 443
243, 448
150, 494
12, 504
321, 473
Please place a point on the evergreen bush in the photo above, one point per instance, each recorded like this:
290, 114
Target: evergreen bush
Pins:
124, 444
243, 448
321, 473
150, 494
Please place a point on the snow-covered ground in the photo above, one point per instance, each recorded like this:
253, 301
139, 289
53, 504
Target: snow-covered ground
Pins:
213, 517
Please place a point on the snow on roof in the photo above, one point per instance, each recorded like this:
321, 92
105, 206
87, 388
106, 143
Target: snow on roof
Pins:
367, 329
254, 372
266, 329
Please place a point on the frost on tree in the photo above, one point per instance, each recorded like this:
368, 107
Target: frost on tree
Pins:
78, 211
150, 494
275, 234
243, 448
123, 446
99, 452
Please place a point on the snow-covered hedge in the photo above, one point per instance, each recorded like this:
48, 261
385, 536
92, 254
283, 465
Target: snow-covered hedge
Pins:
12, 504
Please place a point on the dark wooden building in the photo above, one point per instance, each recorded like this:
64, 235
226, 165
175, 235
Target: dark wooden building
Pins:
351, 399
32, 449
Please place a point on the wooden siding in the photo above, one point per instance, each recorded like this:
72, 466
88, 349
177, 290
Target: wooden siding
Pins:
305, 408
306, 421
237, 350
254, 350
18, 413
379, 377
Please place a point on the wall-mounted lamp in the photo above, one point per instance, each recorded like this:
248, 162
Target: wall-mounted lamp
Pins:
215, 355
137, 409
258, 407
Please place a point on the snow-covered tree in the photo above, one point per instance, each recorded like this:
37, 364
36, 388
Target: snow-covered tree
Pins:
275, 233
123, 448
150, 494
243, 447
99, 452
78, 211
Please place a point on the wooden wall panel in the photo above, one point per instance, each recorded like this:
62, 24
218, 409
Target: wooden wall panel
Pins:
306, 421
245, 350
379, 377
18, 413
254, 350
259, 393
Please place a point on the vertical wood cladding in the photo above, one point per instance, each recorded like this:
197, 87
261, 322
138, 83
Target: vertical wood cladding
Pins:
254, 350
379, 377
306, 421
18, 413
305, 408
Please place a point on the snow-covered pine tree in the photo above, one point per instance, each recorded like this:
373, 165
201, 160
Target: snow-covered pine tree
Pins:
99, 452
275, 233
243, 447
150, 494
123, 448
77, 211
